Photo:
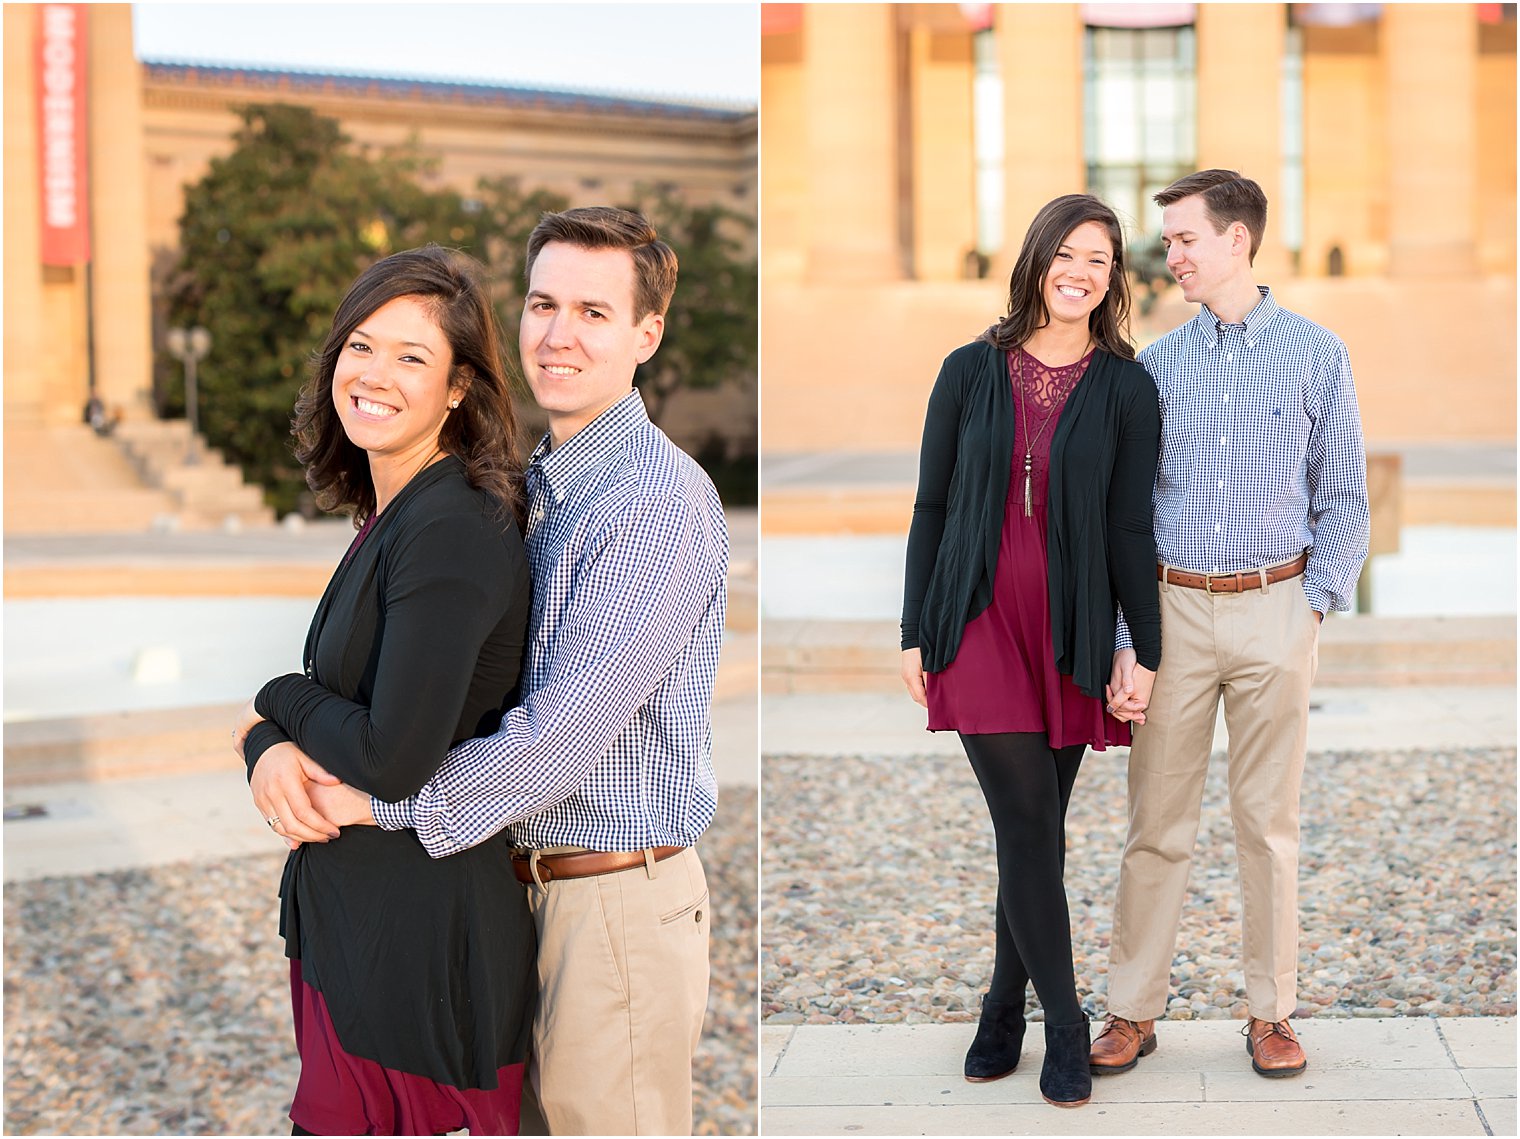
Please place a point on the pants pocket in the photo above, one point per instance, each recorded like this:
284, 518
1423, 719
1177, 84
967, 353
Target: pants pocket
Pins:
696, 910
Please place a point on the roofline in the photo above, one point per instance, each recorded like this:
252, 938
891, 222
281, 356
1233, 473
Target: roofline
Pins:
452, 91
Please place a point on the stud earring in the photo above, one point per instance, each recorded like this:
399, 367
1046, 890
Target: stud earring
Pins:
453, 403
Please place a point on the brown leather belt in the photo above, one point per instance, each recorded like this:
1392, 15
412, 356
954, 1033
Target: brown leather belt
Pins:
1231, 582
585, 863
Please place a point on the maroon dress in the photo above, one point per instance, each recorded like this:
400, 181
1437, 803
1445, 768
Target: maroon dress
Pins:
1003, 677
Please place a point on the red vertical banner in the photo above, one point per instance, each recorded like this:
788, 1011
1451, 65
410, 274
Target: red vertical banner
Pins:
61, 133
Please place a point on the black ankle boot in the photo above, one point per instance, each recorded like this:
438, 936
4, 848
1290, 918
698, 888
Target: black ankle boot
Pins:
1065, 1080
999, 1040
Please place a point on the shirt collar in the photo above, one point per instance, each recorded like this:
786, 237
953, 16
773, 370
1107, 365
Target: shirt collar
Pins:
560, 468
1207, 325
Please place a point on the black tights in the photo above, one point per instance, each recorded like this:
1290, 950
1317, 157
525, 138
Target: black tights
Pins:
1027, 785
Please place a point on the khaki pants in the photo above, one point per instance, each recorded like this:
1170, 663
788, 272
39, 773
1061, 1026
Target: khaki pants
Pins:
1259, 650
622, 974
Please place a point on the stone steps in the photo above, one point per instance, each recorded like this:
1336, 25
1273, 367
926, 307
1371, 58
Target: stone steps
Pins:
801, 656
208, 491
65, 479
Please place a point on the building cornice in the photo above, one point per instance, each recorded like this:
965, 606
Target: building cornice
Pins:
212, 87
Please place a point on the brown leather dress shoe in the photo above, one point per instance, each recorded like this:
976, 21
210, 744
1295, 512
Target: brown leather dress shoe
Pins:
1274, 1049
1120, 1045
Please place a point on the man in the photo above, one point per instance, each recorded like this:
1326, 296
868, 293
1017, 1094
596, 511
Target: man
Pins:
603, 772
1261, 529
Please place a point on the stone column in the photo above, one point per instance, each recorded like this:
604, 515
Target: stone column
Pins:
1240, 51
1430, 67
851, 92
1039, 53
123, 321
25, 339
944, 153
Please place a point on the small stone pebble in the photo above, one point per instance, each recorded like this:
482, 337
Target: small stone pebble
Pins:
879, 879
157, 1002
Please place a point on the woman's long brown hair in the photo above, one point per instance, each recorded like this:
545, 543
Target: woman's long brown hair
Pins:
482, 431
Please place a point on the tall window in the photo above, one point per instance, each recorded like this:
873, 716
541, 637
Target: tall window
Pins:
1140, 88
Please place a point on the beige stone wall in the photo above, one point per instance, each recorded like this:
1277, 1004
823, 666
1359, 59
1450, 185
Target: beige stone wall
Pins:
1449, 376
868, 392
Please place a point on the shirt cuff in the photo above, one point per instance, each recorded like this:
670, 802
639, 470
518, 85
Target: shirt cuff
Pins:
1318, 597
1122, 639
392, 816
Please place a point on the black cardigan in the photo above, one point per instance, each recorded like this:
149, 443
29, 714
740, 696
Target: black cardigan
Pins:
415, 646
1101, 544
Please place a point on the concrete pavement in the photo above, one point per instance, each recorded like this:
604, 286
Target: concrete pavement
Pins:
1406, 1076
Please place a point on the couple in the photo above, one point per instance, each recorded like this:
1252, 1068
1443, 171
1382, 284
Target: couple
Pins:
500, 750
1032, 619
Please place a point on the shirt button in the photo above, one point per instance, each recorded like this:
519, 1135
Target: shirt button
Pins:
1221, 484
1216, 569
1229, 356
1216, 527
1250, 344
1221, 440
1227, 397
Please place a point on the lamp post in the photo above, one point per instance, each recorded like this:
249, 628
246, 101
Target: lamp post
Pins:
189, 346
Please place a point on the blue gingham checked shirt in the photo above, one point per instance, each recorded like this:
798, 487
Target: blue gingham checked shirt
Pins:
1261, 451
611, 746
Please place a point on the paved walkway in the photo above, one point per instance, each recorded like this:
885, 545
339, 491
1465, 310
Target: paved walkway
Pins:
1339, 719
1366, 1077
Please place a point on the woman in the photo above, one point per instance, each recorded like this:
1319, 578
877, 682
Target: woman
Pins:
412, 980
1033, 515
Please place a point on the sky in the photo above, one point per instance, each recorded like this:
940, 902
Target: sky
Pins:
681, 52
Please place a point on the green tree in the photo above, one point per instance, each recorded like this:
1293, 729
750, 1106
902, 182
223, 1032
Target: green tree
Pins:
712, 329
273, 235
270, 239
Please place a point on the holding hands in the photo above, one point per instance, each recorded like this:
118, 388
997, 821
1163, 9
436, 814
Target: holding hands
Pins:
299, 799
1128, 692
281, 786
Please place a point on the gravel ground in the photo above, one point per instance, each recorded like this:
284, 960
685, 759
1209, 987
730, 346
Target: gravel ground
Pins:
147, 1002
879, 881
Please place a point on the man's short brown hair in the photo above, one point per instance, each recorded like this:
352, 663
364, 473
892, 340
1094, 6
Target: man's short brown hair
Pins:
1227, 197
607, 227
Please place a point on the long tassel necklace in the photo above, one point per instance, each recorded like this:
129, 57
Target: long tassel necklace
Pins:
1030, 443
